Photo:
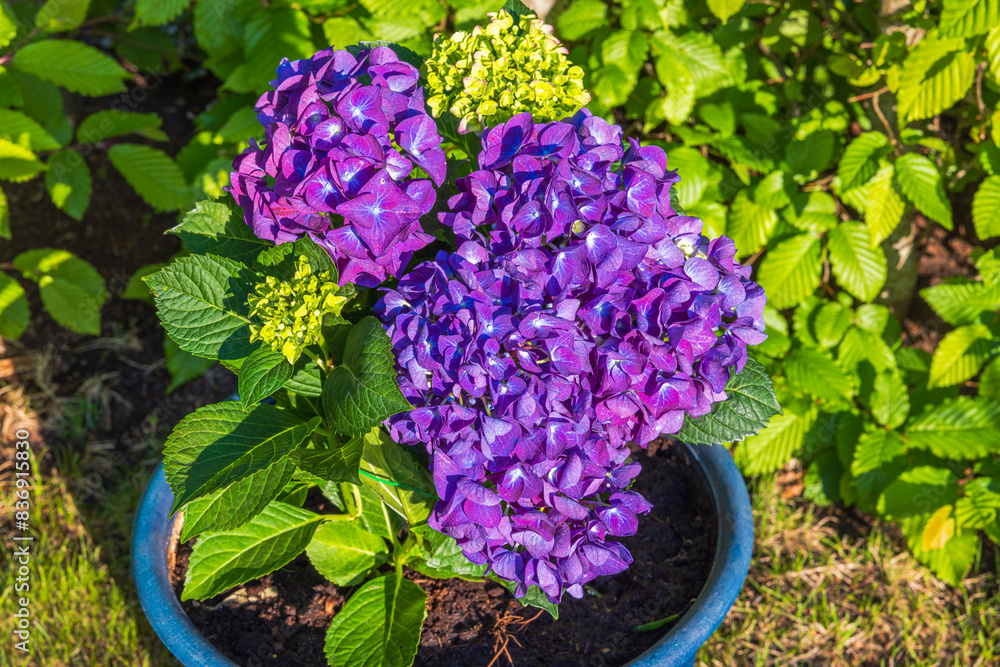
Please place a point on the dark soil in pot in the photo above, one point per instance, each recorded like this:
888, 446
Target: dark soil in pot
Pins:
281, 619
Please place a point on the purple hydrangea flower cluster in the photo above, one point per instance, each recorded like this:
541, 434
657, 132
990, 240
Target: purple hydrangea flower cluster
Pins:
581, 314
344, 136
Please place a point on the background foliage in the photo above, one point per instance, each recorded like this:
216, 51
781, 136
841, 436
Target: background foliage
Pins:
824, 137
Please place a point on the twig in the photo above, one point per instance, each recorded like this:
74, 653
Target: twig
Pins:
865, 96
980, 69
885, 123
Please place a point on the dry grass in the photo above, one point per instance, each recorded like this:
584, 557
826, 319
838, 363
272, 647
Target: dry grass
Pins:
817, 595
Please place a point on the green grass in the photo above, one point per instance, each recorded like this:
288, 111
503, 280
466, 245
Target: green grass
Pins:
817, 595
85, 612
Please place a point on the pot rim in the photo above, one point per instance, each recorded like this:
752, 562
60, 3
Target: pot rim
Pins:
153, 528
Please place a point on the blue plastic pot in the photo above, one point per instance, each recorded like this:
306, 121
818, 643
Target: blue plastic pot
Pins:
153, 536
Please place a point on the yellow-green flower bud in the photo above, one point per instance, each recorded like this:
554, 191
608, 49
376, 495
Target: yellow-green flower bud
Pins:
488, 76
288, 316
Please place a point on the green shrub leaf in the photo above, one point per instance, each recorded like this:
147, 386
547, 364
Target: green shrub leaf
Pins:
107, 123
71, 289
818, 375
443, 557
14, 312
220, 444
379, 626
960, 355
14, 125
61, 15
749, 224
17, 162
158, 12
73, 65
878, 459
860, 161
268, 542
920, 181
967, 18
936, 74
359, 394
400, 481
344, 552
858, 267
791, 270
750, 404
581, 18
986, 208
962, 302
68, 182
885, 206
771, 448
959, 428
152, 174
890, 400
182, 366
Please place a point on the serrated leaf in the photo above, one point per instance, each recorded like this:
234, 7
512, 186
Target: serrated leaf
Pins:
238, 503
68, 182
771, 449
940, 528
17, 162
75, 66
967, 18
362, 392
102, 125
581, 18
960, 355
220, 444
627, 49
864, 346
832, 322
920, 181
263, 373
334, 465
344, 552
979, 505
183, 366
4, 216
71, 289
379, 626
694, 170
814, 211
749, 224
14, 125
812, 154
986, 208
962, 303
268, 542
858, 267
443, 558
890, 400
202, 303
152, 174
791, 270
878, 459
818, 375
750, 404
267, 38
860, 161
399, 480
959, 428
158, 12
14, 312
8, 25
936, 74
42, 101
885, 206
137, 288
219, 229
989, 380
61, 15
533, 598
918, 491
725, 9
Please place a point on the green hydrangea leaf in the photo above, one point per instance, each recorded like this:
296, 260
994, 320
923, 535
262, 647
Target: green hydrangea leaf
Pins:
238, 503
268, 542
344, 552
202, 303
334, 465
218, 228
442, 557
263, 373
182, 366
220, 444
362, 392
379, 626
750, 404
399, 480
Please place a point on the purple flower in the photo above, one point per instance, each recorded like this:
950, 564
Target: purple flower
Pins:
344, 134
580, 315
